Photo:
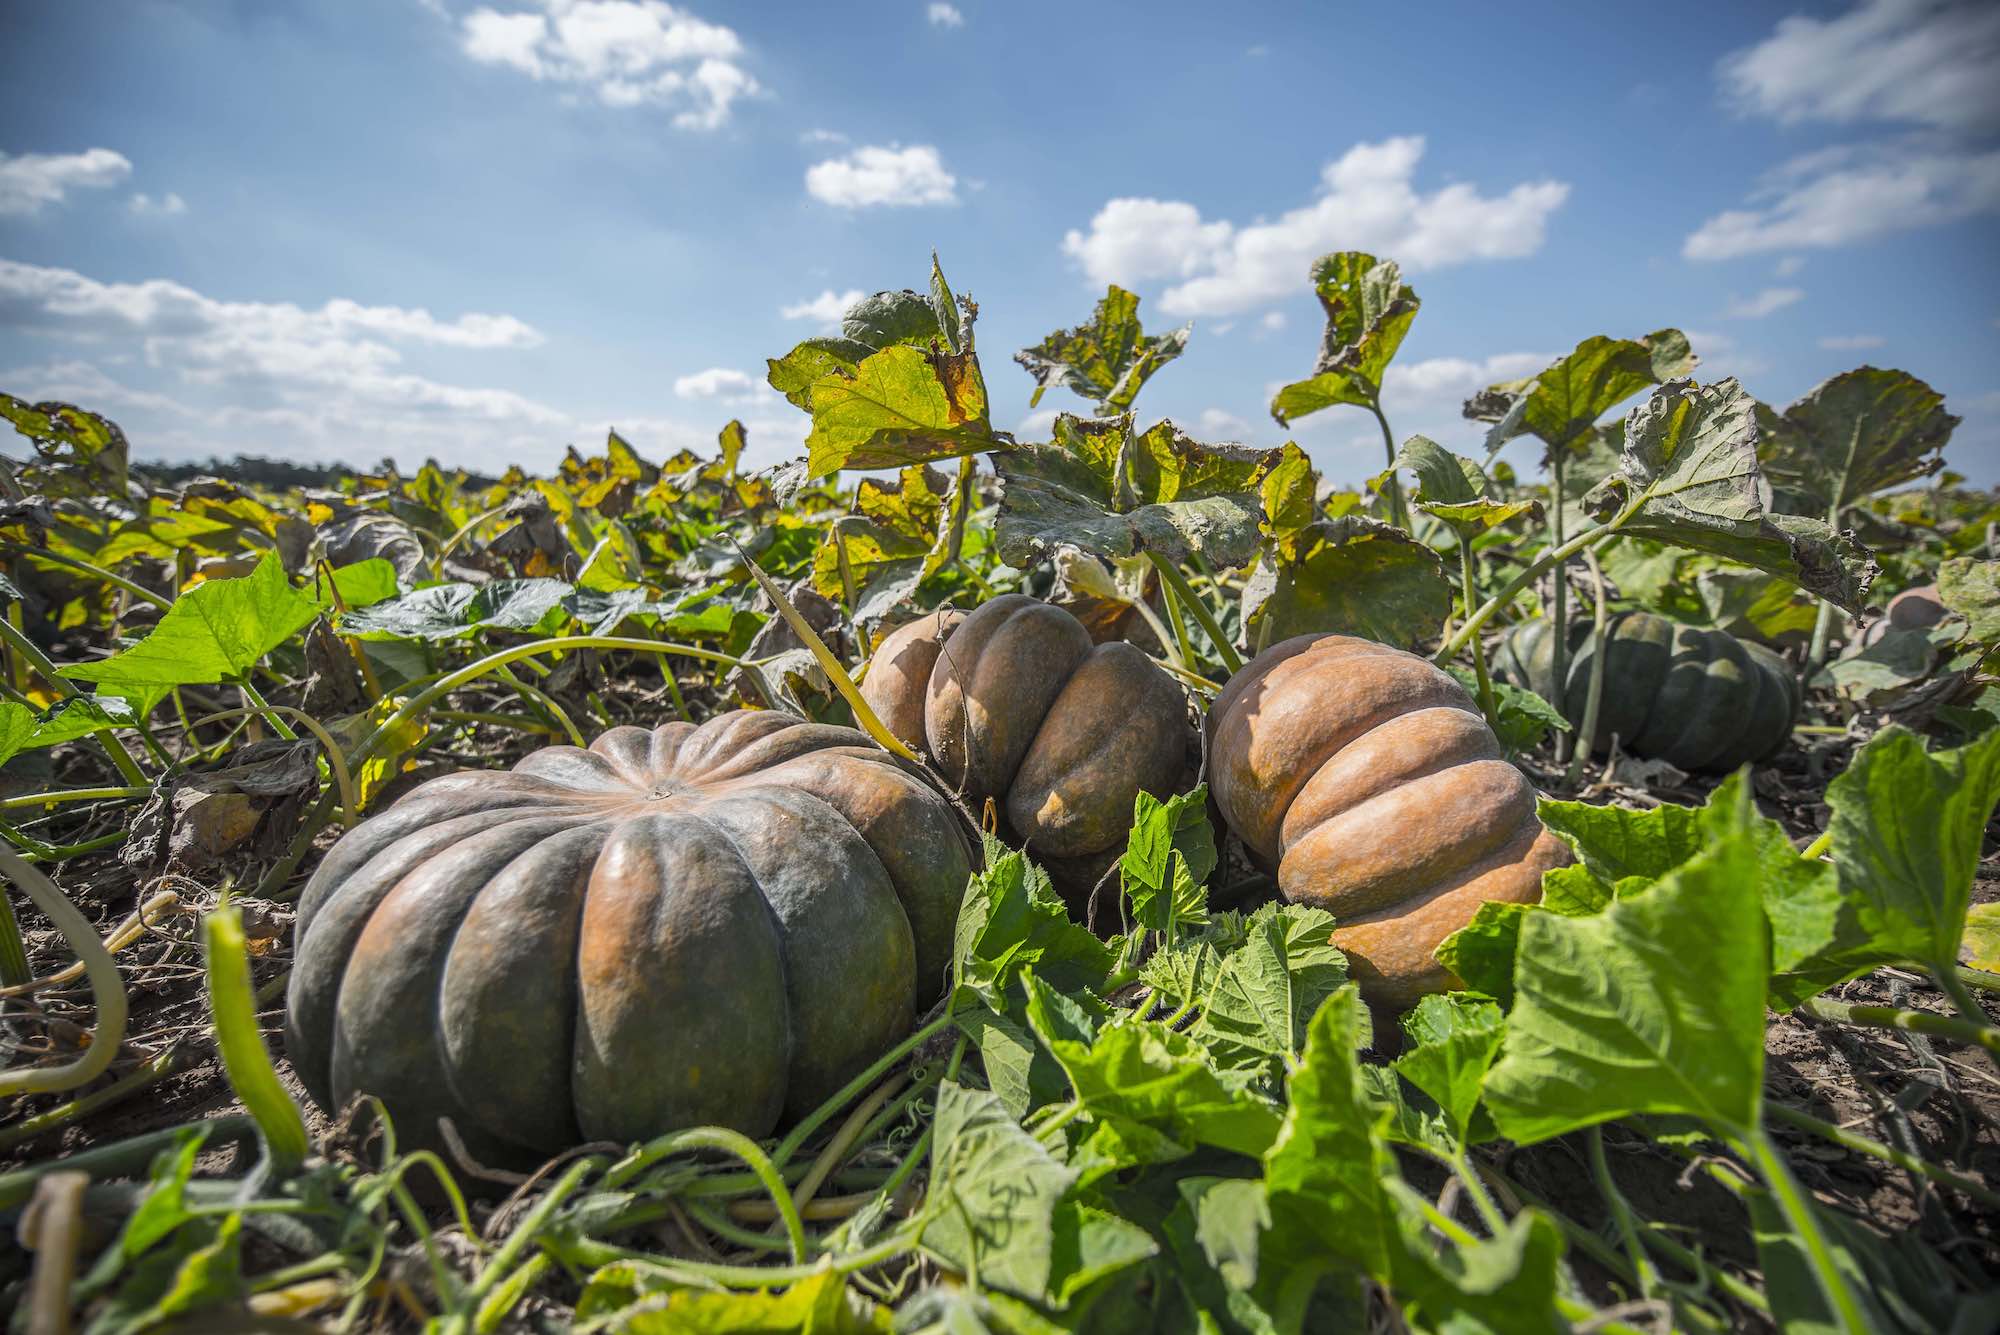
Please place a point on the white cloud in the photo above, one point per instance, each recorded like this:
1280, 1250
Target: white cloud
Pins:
715, 383
1789, 265
824, 309
1768, 302
30, 182
1219, 424
166, 205
196, 377
945, 16
1923, 62
1273, 321
1036, 425
822, 137
1852, 342
1842, 195
1366, 201
892, 176
628, 52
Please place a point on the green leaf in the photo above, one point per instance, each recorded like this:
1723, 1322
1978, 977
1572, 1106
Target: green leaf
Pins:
1907, 829
1089, 1244
1456, 1039
1168, 858
1106, 361
1105, 490
1562, 403
1981, 943
1615, 842
994, 1192
364, 583
1142, 1071
455, 611
1972, 589
1502, 1285
1352, 575
1325, 1171
1011, 918
216, 631
900, 406
1520, 719
1689, 475
820, 1304
1655, 1005
1368, 311
1481, 953
95, 443
23, 728
1861, 432
1268, 989
1455, 489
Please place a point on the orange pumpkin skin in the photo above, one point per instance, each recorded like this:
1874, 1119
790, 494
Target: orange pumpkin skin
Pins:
678, 926
1367, 779
1013, 702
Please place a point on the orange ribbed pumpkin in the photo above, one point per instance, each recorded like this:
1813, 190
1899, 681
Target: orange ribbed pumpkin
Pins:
1368, 780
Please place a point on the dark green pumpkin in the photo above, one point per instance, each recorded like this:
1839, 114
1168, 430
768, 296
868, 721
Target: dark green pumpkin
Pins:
1701, 700
677, 926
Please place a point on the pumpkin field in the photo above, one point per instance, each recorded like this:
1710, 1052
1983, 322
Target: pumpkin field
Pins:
952, 882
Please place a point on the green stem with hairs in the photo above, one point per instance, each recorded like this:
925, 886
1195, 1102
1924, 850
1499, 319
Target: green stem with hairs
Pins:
1594, 534
1469, 586
1396, 508
1957, 1030
1911, 1163
1177, 587
1756, 1145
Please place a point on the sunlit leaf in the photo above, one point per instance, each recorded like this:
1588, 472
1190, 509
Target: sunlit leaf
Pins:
1368, 311
1106, 361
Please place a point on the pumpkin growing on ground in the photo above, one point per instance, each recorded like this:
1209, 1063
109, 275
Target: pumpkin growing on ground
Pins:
1697, 699
678, 926
1013, 702
1368, 780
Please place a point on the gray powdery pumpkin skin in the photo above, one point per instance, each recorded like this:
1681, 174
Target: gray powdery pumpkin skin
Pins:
678, 926
1701, 700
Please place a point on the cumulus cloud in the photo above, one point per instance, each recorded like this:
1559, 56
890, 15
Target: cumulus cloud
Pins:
627, 53
1366, 200
714, 383
892, 177
824, 309
945, 16
1768, 302
1789, 265
1220, 424
1842, 195
1272, 322
1922, 62
31, 182
822, 137
189, 376
165, 206
1852, 342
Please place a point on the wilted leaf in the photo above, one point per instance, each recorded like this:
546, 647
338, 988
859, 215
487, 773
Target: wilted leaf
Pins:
1455, 489
453, 611
95, 443
1353, 575
900, 406
1106, 361
1972, 589
1561, 404
1103, 489
1861, 432
1368, 311
1689, 475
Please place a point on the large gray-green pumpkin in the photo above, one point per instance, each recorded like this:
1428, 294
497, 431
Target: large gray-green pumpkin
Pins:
688, 925
1697, 699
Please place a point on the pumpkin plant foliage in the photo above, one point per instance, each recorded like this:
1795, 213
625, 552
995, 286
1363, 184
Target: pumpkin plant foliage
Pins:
1107, 361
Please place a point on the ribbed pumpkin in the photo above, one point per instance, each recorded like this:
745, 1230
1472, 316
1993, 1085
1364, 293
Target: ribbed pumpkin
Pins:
1369, 782
1701, 700
1013, 702
678, 926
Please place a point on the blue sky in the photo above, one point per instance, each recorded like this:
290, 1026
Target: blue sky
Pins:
481, 231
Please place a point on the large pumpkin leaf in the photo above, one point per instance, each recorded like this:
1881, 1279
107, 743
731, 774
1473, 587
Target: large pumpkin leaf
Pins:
1352, 575
23, 728
1655, 1005
876, 557
1971, 588
1861, 432
1103, 489
1689, 475
901, 405
1368, 311
216, 631
1561, 404
1106, 361
1268, 989
998, 1189
454, 611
